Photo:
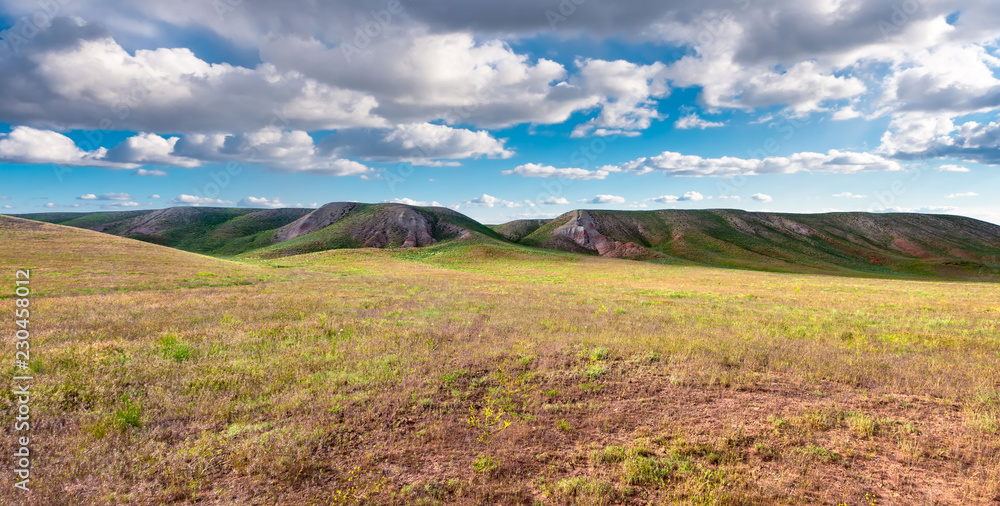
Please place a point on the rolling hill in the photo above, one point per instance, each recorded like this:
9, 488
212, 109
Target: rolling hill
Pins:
890, 244
884, 244
280, 232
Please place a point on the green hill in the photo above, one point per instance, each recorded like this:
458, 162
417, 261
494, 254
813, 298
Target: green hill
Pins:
882, 244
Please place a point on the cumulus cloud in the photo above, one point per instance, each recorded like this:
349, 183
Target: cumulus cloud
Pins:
74, 74
693, 196
627, 92
605, 199
554, 201
418, 143
849, 195
150, 172
538, 170
486, 200
760, 197
962, 195
418, 203
694, 121
195, 201
834, 161
30, 145
953, 168
105, 196
265, 202
149, 149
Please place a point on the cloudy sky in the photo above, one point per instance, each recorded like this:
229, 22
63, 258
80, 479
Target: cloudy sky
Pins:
503, 110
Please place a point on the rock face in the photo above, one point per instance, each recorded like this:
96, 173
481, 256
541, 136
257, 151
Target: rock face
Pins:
373, 226
316, 220
405, 222
582, 230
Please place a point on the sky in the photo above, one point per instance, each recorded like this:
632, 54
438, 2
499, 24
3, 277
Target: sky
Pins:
501, 110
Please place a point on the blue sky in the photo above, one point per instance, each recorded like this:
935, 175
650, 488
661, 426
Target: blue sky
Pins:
531, 110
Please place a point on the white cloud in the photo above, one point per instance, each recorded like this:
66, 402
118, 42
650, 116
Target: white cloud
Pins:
693, 121
663, 199
730, 197
74, 74
627, 92
760, 197
8, 206
834, 161
554, 201
194, 201
154, 196
30, 145
538, 170
953, 168
849, 195
692, 196
105, 196
149, 149
417, 143
120, 205
485, 200
150, 172
417, 203
605, 199
274, 203
962, 195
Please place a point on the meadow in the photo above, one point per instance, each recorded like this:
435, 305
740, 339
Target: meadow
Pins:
475, 373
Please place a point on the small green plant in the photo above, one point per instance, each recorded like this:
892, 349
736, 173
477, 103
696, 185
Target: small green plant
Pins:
600, 353
485, 463
174, 349
564, 426
608, 455
129, 416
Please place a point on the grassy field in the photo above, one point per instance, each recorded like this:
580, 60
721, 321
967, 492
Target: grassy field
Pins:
488, 374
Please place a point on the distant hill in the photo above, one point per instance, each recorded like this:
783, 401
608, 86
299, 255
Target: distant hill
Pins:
891, 244
353, 225
518, 229
876, 243
208, 230
280, 232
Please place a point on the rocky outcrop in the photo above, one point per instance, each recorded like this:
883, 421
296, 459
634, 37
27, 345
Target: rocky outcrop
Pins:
316, 220
582, 230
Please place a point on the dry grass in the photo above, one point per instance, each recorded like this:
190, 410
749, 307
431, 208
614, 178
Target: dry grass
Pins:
349, 377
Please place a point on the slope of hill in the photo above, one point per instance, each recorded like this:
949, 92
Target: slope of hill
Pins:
67, 260
209, 230
885, 244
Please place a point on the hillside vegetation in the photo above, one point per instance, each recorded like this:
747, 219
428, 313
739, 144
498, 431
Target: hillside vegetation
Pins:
858, 244
484, 372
